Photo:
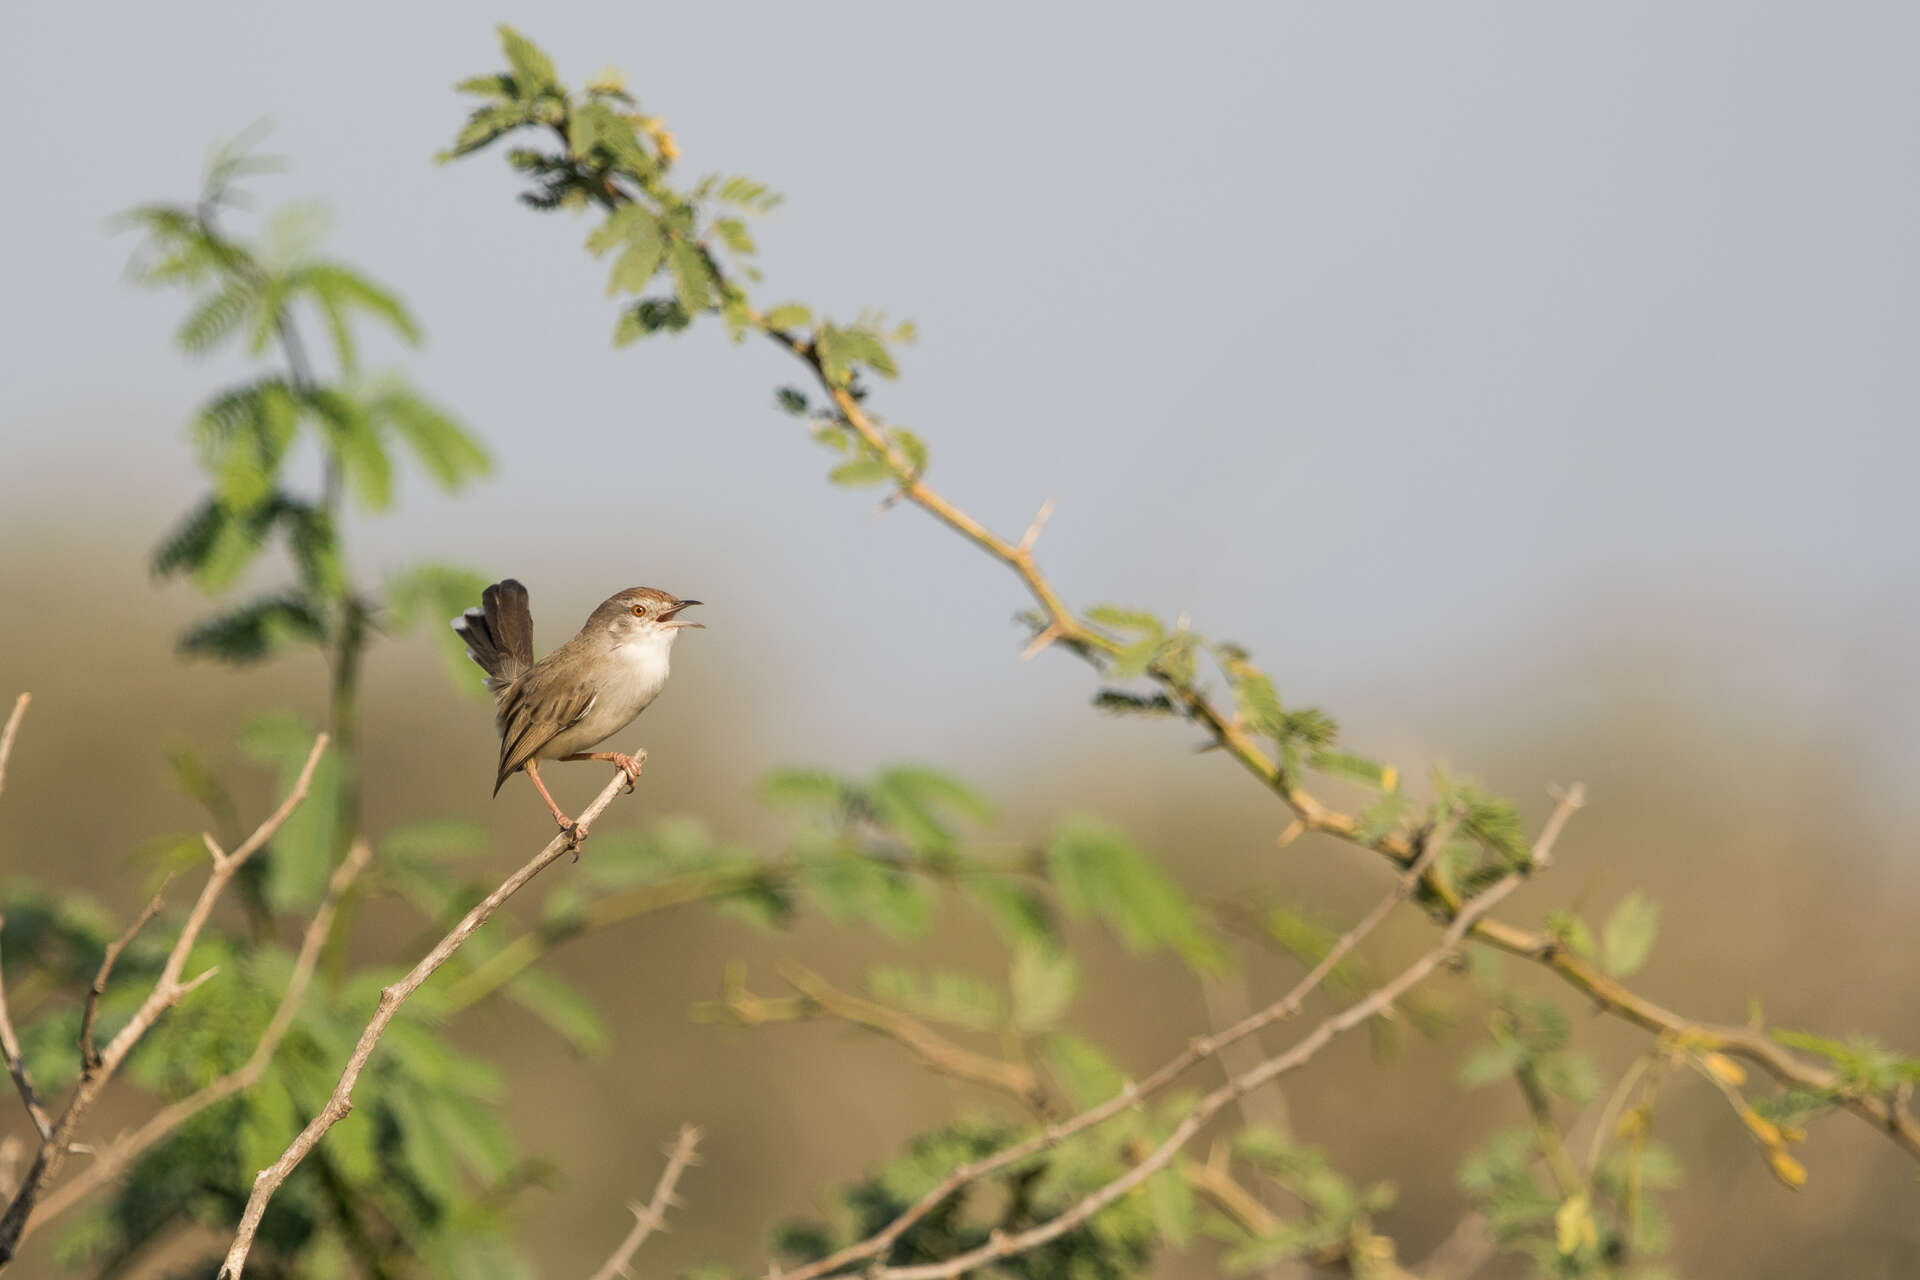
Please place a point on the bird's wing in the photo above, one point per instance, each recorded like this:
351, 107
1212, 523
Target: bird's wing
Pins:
531, 713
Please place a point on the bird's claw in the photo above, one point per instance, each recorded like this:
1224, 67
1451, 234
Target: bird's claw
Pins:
576, 834
631, 766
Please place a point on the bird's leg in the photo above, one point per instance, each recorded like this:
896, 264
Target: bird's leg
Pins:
575, 831
629, 765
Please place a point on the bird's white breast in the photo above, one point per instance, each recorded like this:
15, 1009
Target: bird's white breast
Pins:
630, 680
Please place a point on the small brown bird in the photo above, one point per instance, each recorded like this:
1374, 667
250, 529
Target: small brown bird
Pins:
582, 693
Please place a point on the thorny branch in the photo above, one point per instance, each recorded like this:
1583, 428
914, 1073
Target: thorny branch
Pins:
1375, 1003
1062, 626
818, 996
116, 1156
877, 1245
648, 1217
391, 998
167, 991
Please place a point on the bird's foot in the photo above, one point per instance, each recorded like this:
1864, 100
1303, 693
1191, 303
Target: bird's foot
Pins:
631, 766
576, 834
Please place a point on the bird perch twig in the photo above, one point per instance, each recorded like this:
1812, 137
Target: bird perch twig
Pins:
168, 990
268, 1180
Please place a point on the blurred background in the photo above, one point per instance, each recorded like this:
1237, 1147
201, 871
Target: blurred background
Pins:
1530, 388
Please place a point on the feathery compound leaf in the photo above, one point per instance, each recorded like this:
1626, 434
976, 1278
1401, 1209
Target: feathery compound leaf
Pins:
1120, 702
215, 319
433, 594
254, 631
650, 316
338, 290
561, 1007
1120, 618
493, 86
533, 71
860, 472
1627, 937
450, 455
353, 439
692, 278
1043, 981
1259, 704
788, 315
640, 260
1342, 764
1099, 873
952, 998
1087, 1075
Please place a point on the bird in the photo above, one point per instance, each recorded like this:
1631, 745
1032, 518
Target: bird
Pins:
582, 693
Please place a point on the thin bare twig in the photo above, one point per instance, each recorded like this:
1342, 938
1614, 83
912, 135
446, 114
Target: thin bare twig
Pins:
16, 1064
939, 1054
7, 734
391, 998
167, 991
89, 1057
877, 1245
648, 1217
116, 1156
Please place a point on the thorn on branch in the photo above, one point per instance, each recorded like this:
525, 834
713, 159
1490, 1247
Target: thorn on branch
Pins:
89, 1056
1047, 636
1032, 535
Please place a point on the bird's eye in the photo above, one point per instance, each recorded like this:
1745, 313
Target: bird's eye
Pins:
639, 611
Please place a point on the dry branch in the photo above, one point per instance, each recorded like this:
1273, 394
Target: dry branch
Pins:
116, 1156
17, 1066
7, 734
1378, 1001
876, 1245
167, 991
391, 998
648, 1217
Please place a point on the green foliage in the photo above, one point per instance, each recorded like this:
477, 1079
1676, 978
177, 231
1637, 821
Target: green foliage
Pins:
1865, 1067
1114, 1245
1099, 873
246, 433
1337, 1209
429, 595
1627, 939
942, 996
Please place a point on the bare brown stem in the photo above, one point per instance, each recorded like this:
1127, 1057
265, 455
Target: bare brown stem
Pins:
7, 734
89, 1057
340, 1103
17, 1067
1006, 1245
167, 991
116, 1156
648, 1217
876, 1245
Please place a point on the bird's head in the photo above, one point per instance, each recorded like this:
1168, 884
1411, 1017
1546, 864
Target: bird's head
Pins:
641, 614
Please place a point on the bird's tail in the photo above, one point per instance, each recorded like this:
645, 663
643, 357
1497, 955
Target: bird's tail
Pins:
499, 634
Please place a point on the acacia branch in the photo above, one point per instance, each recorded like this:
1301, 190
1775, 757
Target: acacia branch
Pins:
17, 1066
648, 1217
818, 996
167, 991
109, 1162
391, 998
877, 1245
89, 1056
1378, 1001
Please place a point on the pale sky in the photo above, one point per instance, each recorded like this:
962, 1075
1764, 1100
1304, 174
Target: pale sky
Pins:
1411, 346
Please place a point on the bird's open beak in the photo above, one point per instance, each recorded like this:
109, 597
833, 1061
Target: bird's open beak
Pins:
666, 616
